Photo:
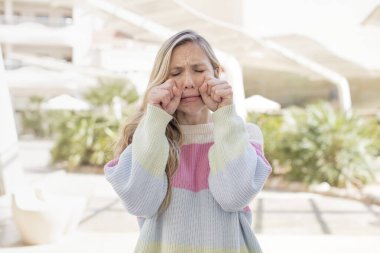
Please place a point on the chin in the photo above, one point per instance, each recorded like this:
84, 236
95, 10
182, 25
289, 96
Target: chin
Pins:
192, 109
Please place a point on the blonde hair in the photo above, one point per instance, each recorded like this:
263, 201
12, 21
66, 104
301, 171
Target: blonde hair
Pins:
159, 75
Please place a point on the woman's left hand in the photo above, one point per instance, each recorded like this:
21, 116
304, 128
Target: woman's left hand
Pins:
216, 93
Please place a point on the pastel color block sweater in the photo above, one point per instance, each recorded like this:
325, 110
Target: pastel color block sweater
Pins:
222, 168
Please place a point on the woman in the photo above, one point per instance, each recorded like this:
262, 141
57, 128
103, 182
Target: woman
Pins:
186, 173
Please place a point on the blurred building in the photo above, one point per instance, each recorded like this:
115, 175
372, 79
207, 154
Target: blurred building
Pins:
61, 47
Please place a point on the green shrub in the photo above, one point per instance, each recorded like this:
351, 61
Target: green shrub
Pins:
270, 125
34, 120
373, 129
84, 138
323, 145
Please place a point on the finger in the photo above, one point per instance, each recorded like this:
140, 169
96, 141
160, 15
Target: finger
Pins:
223, 92
210, 85
170, 92
173, 82
209, 88
216, 81
165, 92
207, 81
213, 82
167, 85
208, 77
175, 100
220, 87
178, 88
177, 95
165, 101
177, 92
155, 98
216, 98
203, 89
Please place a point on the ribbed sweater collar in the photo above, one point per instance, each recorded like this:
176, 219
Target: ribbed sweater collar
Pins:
197, 129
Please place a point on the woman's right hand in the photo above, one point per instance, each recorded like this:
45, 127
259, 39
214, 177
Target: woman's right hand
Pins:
165, 96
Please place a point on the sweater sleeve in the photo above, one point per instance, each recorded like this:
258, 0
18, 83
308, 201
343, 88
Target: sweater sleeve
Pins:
138, 175
238, 168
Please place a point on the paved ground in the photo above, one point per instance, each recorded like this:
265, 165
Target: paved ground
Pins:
283, 221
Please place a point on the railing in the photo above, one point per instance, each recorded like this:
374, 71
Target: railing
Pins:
44, 20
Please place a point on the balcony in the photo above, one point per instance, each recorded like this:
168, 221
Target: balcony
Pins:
36, 30
41, 19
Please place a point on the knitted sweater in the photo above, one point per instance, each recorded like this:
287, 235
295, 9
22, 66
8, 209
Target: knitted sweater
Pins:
222, 168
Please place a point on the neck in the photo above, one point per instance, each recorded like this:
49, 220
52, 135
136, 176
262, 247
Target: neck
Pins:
201, 117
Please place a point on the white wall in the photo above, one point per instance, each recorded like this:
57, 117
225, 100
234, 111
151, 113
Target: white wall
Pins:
11, 173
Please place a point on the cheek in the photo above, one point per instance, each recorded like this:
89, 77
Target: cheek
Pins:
198, 80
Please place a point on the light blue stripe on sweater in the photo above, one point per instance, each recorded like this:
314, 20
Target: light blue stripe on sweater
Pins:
246, 233
197, 220
140, 191
237, 184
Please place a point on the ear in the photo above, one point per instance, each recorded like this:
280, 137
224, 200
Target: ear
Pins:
217, 72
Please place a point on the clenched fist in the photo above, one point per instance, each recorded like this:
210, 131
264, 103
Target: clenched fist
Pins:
166, 96
216, 93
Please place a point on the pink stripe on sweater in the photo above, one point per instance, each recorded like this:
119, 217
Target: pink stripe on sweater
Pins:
192, 174
259, 151
111, 163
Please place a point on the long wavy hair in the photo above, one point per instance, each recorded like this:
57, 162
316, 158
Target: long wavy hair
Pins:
159, 75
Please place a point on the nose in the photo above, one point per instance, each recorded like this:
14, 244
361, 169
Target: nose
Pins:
188, 82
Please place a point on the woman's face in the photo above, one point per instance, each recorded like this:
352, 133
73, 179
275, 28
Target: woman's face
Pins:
189, 65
